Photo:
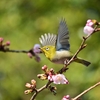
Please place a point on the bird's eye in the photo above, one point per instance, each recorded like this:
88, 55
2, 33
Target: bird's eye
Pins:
47, 49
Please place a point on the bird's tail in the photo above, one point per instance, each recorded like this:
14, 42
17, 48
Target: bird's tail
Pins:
82, 61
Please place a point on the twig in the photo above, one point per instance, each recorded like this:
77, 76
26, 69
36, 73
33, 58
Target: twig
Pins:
36, 93
39, 90
87, 90
82, 46
14, 51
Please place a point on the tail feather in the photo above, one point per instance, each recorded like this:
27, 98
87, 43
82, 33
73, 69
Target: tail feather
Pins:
82, 61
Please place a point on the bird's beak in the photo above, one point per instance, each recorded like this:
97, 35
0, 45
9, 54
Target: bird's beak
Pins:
41, 49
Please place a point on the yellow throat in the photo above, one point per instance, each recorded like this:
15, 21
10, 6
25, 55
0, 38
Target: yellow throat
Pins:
49, 51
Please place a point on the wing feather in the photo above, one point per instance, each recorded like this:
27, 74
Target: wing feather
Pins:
62, 42
48, 39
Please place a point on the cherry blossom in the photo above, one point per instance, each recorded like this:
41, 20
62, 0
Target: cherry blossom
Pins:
58, 79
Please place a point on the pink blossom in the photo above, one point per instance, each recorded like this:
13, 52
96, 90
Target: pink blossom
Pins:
89, 23
33, 82
67, 97
8, 43
29, 54
88, 29
1, 39
28, 85
89, 20
36, 48
58, 79
50, 78
44, 67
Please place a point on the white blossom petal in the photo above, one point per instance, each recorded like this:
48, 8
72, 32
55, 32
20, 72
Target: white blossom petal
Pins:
88, 30
59, 79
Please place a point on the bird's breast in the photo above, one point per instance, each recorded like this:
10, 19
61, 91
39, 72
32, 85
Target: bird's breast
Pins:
61, 56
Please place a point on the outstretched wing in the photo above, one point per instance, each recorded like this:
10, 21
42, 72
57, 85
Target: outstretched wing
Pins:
48, 39
62, 42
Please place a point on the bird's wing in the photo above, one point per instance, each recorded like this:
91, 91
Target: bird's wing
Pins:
48, 39
62, 42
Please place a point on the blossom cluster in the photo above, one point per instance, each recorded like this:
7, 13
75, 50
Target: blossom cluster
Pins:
52, 76
35, 51
90, 26
49, 75
31, 87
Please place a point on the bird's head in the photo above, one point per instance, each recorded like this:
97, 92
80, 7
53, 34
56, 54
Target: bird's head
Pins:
49, 51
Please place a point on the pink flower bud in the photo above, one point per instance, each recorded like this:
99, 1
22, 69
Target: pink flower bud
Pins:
28, 91
67, 97
89, 23
28, 85
51, 70
44, 67
89, 20
1, 39
42, 76
8, 43
29, 54
88, 30
50, 78
33, 82
36, 48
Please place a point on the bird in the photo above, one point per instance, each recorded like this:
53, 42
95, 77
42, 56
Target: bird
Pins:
57, 47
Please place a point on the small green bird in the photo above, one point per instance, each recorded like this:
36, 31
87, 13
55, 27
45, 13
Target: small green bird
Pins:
56, 48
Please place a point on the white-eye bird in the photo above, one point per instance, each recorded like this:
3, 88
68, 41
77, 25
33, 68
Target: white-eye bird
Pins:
57, 48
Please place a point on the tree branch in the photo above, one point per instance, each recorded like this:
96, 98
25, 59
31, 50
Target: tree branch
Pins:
87, 90
15, 51
39, 90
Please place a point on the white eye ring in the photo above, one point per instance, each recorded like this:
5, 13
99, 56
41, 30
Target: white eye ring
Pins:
47, 49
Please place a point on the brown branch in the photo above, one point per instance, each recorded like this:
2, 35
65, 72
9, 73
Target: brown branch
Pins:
39, 90
36, 92
82, 46
98, 29
87, 90
14, 51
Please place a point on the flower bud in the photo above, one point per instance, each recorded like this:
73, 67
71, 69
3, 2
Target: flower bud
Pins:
28, 91
29, 54
44, 68
52, 71
36, 48
1, 39
42, 76
33, 82
88, 30
28, 85
67, 97
7, 43
58, 79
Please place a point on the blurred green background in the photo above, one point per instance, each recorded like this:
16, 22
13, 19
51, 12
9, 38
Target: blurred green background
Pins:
22, 22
